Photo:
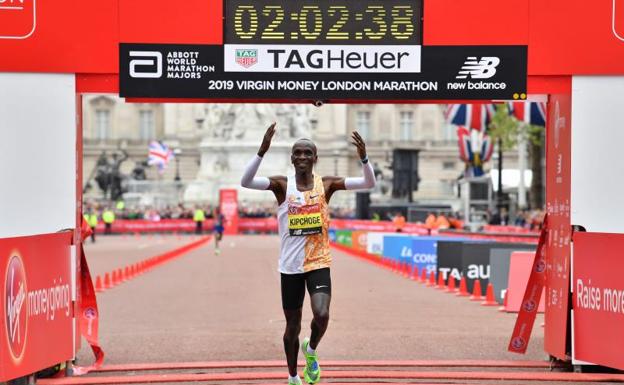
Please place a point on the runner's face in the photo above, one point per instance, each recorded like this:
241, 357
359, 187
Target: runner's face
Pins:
303, 156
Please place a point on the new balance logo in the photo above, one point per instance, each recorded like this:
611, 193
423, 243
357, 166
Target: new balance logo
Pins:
483, 68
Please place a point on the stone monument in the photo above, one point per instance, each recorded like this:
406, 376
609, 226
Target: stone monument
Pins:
233, 133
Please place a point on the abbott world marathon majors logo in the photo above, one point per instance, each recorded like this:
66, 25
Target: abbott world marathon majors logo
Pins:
15, 295
18, 19
170, 65
476, 73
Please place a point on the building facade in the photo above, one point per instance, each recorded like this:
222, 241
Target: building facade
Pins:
111, 125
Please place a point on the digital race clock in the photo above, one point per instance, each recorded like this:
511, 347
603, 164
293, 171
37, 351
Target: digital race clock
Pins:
323, 22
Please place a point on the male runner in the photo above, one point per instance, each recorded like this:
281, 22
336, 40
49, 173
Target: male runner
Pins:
303, 221
219, 219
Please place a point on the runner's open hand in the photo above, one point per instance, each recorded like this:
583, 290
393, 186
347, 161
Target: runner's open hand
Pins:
358, 142
266, 141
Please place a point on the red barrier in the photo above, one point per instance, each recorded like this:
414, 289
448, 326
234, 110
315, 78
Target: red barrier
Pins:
508, 229
122, 226
260, 225
37, 317
495, 237
145, 226
269, 225
598, 298
378, 226
519, 271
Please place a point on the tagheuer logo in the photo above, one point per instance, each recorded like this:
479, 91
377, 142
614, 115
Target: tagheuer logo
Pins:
246, 57
483, 68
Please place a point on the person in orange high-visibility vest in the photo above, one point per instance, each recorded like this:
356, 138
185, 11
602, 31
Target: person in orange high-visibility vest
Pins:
430, 222
399, 222
442, 223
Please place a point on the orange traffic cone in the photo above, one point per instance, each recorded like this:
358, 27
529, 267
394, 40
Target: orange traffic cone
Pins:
463, 288
489, 296
107, 281
441, 283
414, 273
406, 270
121, 275
98, 284
476, 291
451, 285
431, 279
114, 278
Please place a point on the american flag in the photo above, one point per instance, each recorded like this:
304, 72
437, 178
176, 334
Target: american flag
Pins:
476, 116
529, 112
159, 154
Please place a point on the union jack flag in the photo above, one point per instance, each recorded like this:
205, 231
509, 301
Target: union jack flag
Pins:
529, 112
469, 145
472, 142
159, 154
476, 116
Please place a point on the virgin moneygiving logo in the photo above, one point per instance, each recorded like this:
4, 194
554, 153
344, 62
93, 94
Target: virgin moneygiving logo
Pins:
16, 317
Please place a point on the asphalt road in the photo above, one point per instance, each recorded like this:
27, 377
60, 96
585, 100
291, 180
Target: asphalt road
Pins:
203, 307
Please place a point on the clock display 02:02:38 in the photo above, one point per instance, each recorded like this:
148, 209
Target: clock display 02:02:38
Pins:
323, 22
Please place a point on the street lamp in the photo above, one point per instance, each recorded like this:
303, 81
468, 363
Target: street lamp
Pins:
177, 152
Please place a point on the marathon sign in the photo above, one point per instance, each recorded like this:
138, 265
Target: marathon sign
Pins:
36, 303
322, 72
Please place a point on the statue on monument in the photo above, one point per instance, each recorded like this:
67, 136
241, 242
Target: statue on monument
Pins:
108, 175
231, 131
249, 119
246, 121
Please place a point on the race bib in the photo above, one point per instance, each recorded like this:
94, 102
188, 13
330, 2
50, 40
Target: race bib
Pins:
304, 219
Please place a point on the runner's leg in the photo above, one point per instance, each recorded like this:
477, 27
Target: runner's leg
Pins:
319, 287
291, 339
293, 293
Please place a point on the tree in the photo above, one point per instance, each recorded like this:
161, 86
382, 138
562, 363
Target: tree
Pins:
536, 152
506, 130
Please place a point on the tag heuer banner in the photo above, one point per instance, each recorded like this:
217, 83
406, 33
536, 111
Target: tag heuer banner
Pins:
322, 72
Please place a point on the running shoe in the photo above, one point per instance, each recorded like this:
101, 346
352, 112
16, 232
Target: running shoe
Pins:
312, 370
294, 382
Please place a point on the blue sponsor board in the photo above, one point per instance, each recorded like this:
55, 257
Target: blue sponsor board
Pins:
420, 251
425, 253
332, 235
398, 247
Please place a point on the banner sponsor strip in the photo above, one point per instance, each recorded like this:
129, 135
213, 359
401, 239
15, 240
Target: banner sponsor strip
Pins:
89, 315
283, 71
526, 316
36, 310
598, 298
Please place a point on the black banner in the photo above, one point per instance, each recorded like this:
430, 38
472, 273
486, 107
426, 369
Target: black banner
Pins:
265, 72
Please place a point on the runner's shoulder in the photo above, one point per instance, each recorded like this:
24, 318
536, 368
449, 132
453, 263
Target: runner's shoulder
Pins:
278, 180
